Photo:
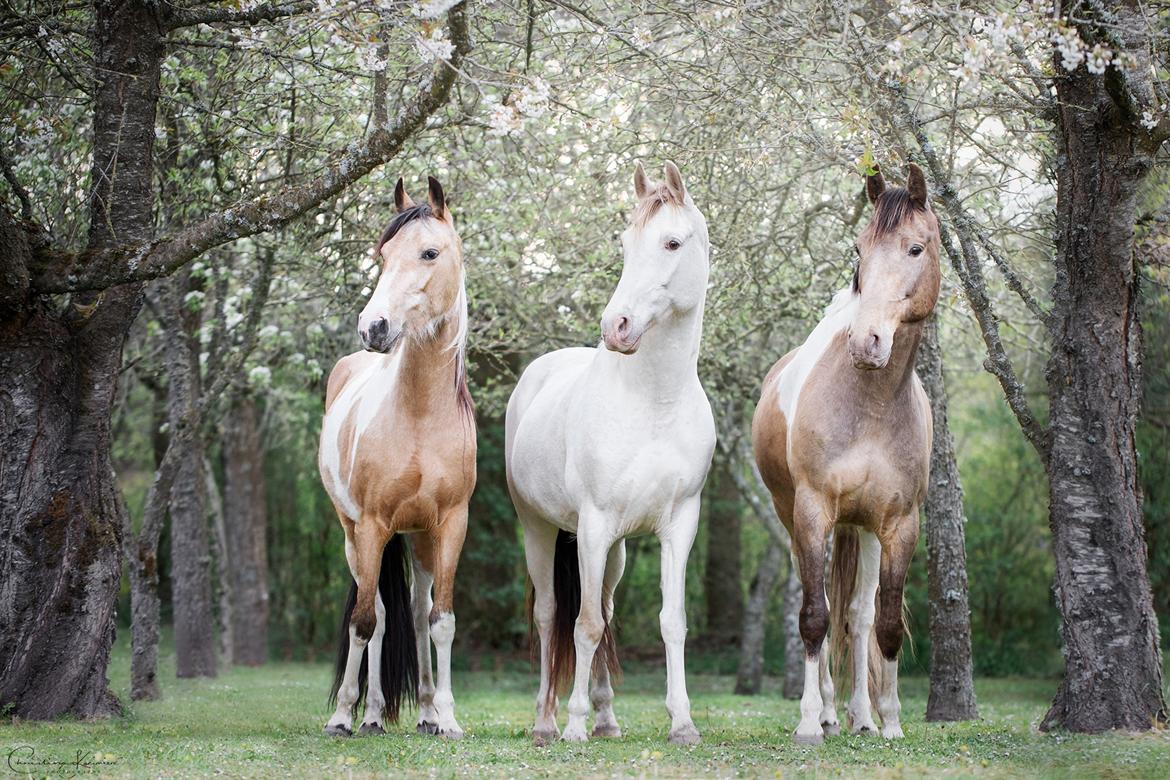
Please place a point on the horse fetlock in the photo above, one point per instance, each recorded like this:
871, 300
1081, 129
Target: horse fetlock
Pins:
443, 628
575, 730
892, 730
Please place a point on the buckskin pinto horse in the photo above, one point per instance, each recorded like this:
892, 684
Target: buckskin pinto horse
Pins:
842, 436
613, 442
397, 456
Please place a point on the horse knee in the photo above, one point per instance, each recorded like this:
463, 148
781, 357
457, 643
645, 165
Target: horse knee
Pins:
443, 628
589, 629
890, 633
814, 624
673, 626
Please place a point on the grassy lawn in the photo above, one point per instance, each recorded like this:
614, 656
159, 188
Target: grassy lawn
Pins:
267, 723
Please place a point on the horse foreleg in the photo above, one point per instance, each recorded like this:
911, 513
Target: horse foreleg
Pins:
605, 722
829, 723
676, 541
341, 723
375, 699
861, 616
593, 543
447, 541
420, 604
809, 526
895, 561
540, 539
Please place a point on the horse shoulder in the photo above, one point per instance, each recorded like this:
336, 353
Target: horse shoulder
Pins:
342, 372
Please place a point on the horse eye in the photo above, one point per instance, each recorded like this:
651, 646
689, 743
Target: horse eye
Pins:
916, 250
430, 254
673, 244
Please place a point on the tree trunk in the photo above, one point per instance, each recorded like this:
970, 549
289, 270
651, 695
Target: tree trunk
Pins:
793, 645
750, 674
246, 520
223, 575
61, 518
1113, 675
952, 691
724, 594
190, 555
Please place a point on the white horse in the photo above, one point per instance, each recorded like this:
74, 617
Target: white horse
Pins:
614, 442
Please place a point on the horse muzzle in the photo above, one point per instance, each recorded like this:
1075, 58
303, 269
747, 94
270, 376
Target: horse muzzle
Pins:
621, 336
379, 336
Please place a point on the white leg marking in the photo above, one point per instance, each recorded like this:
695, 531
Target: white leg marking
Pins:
443, 634
809, 731
605, 722
375, 700
889, 707
539, 549
347, 695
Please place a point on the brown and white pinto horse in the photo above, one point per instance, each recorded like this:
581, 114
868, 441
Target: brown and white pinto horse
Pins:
842, 436
397, 456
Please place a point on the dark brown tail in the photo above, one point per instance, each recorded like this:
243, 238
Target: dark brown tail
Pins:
399, 664
842, 581
567, 593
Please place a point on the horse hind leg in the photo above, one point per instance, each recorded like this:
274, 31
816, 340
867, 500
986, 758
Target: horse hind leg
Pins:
540, 539
895, 561
605, 722
420, 601
861, 620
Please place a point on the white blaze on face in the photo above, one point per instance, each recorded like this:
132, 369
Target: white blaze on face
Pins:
355, 407
838, 316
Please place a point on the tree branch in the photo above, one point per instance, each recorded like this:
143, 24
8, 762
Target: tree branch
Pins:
965, 261
189, 17
58, 272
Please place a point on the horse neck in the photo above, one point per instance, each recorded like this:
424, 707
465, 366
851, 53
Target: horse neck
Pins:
429, 380
667, 357
884, 385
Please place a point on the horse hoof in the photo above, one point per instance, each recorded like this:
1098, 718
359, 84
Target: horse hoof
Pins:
572, 735
610, 730
865, 731
545, 738
685, 735
426, 727
810, 740
831, 729
371, 728
338, 730
893, 733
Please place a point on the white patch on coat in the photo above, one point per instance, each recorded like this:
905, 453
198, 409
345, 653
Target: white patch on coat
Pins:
838, 315
359, 403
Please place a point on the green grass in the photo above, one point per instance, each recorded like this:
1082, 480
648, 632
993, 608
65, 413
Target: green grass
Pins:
267, 723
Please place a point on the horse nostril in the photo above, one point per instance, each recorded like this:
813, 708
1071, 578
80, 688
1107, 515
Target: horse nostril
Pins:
873, 343
623, 326
379, 327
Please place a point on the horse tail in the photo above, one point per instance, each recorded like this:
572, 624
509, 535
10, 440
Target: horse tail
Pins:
399, 658
567, 597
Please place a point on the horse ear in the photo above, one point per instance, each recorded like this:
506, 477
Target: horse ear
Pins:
674, 181
402, 201
875, 185
916, 186
642, 184
438, 200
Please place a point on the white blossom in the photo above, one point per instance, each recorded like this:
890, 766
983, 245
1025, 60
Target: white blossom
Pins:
369, 60
642, 37
1149, 120
504, 120
533, 100
434, 46
1098, 59
1072, 49
431, 9
260, 376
